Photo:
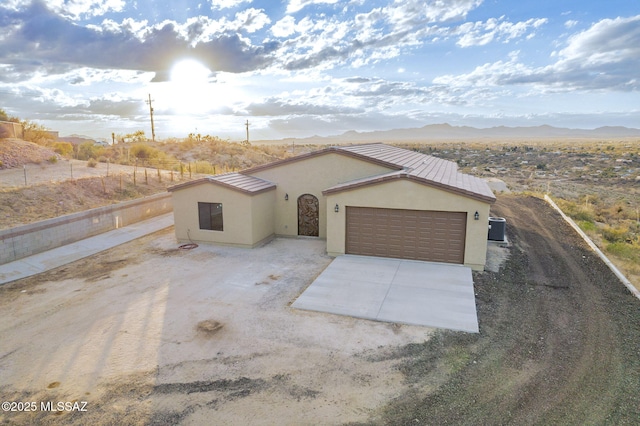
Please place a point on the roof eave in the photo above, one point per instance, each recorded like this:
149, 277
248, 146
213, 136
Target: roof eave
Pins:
203, 180
325, 151
383, 179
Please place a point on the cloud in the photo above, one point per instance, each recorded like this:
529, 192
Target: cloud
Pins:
284, 27
605, 56
570, 24
379, 34
227, 4
47, 38
482, 33
277, 107
74, 10
297, 5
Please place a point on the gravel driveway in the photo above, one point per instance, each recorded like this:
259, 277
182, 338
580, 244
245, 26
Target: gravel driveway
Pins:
147, 333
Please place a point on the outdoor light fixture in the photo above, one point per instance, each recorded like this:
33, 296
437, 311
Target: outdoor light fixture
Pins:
336, 208
476, 216
286, 197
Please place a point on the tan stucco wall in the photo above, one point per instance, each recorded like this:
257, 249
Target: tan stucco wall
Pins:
263, 220
243, 225
312, 176
405, 194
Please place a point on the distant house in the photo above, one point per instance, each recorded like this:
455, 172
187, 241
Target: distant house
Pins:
373, 200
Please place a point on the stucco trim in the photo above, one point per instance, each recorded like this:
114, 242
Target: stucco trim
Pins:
377, 180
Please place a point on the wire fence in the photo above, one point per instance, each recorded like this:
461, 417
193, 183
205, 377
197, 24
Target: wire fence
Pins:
141, 171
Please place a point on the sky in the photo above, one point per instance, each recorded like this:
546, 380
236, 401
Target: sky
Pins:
298, 68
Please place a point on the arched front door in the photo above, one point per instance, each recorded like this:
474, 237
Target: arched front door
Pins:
308, 221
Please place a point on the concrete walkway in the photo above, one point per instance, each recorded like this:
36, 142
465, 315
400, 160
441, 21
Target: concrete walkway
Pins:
394, 290
51, 259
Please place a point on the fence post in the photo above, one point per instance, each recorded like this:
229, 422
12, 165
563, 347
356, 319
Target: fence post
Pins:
146, 178
24, 167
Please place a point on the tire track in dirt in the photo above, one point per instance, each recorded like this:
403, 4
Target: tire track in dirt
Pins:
579, 350
557, 343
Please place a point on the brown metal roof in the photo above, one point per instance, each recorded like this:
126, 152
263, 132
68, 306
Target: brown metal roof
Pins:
419, 167
403, 163
325, 151
237, 181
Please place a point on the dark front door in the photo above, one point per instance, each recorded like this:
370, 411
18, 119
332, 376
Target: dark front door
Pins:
308, 209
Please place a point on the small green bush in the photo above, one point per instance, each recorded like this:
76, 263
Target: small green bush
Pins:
53, 159
586, 225
92, 162
625, 250
615, 234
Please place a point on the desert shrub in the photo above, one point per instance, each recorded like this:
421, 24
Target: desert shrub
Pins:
143, 151
625, 250
88, 150
63, 148
578, 212
615, 234
92, 162
53, 159
586, 225
37, 133
203, 167
102, 159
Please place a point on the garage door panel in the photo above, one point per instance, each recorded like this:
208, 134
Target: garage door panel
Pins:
407, 234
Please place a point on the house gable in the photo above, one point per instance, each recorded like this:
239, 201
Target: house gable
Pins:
311, 175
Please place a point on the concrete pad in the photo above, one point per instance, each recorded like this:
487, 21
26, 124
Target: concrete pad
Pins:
63, 255
395, 290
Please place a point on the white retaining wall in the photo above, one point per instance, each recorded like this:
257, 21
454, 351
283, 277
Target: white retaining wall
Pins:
23, 241
595, 248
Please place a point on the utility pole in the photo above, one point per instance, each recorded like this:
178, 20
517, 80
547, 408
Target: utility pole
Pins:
247, 125
153, 130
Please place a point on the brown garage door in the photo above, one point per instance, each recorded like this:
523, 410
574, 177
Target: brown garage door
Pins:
406, 234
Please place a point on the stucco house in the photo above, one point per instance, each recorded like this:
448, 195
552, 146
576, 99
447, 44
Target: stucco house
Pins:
372, 199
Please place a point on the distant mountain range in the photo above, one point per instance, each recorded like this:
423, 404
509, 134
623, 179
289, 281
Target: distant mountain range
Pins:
440, 132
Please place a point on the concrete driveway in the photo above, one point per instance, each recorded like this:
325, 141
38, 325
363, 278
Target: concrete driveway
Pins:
394, 290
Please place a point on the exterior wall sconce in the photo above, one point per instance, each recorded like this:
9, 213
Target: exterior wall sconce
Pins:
286, 197
336, 208
476, 216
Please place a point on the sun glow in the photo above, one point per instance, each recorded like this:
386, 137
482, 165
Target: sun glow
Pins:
190, 87
190, 72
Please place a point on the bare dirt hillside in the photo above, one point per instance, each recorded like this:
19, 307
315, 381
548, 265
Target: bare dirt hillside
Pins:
16, 153
32, 188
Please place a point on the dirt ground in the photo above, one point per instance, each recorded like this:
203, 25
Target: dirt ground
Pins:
149, 334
